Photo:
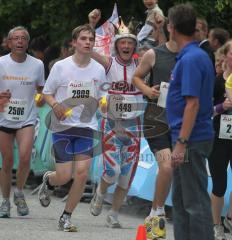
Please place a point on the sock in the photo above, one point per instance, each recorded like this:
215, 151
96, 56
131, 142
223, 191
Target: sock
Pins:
152, 213
99, 194
113, 213
66, 213
18, 191
160, 211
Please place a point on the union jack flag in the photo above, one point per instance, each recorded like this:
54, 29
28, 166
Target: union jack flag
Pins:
105, 33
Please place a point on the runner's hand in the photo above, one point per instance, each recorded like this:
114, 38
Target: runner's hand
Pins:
94, 17
5, 94
60, 111
4, 99
153, 92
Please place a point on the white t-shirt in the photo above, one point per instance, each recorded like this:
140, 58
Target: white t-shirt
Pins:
67, 81
21, 79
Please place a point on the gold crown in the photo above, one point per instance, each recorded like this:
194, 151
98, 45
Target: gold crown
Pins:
123, 29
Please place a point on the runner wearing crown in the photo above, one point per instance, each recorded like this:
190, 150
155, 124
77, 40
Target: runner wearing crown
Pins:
121, 127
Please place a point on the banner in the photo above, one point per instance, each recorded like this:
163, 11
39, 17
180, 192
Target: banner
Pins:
105, 34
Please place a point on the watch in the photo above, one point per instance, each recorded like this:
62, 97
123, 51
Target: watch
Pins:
182, 140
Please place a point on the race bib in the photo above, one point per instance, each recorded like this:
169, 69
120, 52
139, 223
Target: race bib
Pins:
80, 90
225, 127
163, 94
16, 110
124, 106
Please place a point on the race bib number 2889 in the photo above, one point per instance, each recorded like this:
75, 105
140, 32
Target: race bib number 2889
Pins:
80, 90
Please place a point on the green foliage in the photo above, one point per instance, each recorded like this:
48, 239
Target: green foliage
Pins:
216, 12
222, 4
55, 19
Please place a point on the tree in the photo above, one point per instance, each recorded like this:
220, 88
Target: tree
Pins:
55, 19
216, 12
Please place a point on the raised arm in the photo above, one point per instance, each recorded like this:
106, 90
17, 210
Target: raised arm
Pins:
94, 17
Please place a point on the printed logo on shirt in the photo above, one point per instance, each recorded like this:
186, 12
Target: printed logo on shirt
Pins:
123, 86
17, 78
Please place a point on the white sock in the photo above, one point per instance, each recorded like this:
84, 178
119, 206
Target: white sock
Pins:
160, 211
152, 213
18, 191
113, 213
99, 194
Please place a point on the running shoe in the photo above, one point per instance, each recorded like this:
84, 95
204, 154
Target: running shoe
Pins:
66, 225
44, 193
5, 209
219, 233
155, 227
19, 201
228, 224
112, 222
96, 204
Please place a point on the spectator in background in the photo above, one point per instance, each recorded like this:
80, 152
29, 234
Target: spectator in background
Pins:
221, 155
218, 37
4, 46
154, 16
219, 59
38, 47
201, 36
66, 50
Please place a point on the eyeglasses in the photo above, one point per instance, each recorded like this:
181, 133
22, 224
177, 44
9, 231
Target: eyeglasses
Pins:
24, 39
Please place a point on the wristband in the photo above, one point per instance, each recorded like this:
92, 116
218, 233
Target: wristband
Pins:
182, 140
54, 105
219, 108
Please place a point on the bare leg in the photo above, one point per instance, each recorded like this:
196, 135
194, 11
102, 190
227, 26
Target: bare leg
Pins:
80, 174
163, 179
62, 174
103, 186
217, 205
6, 148
118, 198
24, 139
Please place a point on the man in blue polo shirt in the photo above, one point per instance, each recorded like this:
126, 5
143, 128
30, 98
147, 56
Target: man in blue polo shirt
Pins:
189, 111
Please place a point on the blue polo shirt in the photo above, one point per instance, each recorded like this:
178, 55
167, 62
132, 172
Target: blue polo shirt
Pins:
193, 75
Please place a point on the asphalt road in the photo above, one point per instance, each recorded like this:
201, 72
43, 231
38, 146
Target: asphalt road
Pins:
42, 222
